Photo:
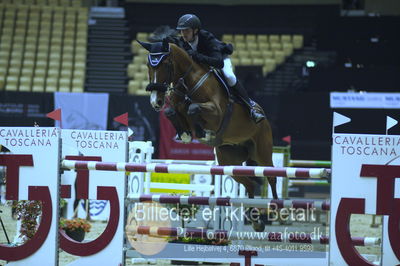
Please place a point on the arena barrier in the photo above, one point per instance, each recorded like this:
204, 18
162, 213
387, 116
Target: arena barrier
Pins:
33, 173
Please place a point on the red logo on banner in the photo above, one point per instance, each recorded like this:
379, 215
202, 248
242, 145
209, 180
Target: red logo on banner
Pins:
172, 149
41, 193
386, 204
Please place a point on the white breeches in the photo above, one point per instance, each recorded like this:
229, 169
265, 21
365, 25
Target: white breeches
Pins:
228, 72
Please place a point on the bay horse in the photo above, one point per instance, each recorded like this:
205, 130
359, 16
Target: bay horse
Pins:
200, 107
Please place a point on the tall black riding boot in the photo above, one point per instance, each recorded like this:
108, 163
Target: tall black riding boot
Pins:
256, 115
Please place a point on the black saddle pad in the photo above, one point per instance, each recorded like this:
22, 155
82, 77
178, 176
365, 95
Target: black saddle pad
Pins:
221, 78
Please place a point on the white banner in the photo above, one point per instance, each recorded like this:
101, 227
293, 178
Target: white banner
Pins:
369, 100
361, 164
106, 146
31, 163
82, 110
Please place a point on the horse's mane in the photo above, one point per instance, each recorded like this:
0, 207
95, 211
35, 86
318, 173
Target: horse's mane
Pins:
182, 54
162, 32
176, 50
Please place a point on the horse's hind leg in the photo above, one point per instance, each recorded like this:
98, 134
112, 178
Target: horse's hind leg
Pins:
236, 155
258, 180
262, 155
272, 184
271, 179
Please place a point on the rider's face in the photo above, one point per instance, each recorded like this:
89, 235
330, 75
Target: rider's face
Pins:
188, 34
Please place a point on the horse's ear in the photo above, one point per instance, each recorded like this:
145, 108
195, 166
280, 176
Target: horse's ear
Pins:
165, 45
145, 45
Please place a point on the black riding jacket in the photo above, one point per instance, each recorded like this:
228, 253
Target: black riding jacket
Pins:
211, 49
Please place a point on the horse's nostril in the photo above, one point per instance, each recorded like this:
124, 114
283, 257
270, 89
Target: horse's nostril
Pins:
159, 102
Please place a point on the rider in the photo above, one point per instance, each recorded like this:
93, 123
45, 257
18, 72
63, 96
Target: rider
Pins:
205, 48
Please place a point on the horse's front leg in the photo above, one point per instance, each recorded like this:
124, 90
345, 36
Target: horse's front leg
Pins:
182, 133
194, 112
206, 119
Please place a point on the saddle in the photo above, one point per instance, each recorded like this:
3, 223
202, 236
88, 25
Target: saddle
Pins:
230, 92
232, 95
221, 79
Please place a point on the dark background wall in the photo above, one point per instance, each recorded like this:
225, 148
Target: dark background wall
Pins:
303, 113
244, 19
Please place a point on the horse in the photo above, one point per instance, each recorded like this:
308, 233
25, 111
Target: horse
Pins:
201, 107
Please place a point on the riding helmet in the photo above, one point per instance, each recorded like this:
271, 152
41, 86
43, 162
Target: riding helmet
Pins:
188, 21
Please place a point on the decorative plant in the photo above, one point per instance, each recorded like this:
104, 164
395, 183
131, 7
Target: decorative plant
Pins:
28, 212
75, 224
202, 241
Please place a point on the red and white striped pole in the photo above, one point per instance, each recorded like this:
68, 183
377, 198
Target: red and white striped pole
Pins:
260, 171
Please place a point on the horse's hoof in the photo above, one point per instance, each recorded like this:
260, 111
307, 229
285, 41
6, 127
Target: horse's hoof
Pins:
258, 226
186, 138
267, 219
206, 138
177, 137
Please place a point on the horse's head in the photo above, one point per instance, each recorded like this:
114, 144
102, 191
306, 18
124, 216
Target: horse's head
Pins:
160, 72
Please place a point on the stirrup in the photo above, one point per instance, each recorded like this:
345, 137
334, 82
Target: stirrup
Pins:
256, 116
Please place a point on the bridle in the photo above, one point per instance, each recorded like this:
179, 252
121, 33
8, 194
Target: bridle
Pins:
154, 59
187, 93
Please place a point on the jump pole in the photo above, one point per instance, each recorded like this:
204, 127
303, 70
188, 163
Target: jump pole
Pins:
259, 171
309, 163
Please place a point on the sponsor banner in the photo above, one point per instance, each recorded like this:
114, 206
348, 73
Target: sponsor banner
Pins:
82, 110
169, 148
370, 100
30, 158
96, 145
364, 181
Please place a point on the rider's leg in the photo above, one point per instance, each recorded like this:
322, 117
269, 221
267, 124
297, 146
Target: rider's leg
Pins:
228, 72
256, 115
240, 90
